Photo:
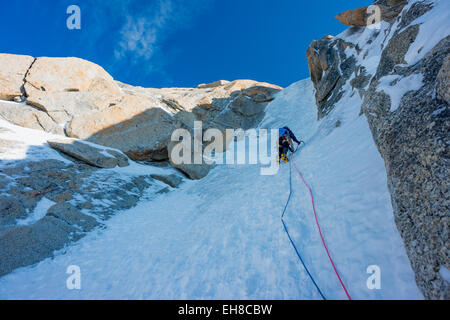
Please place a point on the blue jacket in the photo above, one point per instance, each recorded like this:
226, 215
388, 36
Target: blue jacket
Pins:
288, 132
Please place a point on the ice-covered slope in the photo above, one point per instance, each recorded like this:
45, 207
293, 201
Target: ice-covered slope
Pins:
222, 238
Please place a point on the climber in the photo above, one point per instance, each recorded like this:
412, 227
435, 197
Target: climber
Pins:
285, 143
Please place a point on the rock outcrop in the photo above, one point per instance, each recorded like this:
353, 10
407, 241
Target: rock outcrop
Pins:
84, 198
359, 17
356, 17
140, 133
67, 87
79, 99
409, 127
49, 199
26, 245
192, 170
443, 83
92, 155
13, 69
28, 116
213, 84
172, 179
330, 69
220, 104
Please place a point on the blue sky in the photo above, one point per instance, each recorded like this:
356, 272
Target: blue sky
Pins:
165, 43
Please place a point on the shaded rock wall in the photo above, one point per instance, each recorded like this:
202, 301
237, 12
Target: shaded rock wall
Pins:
412, 137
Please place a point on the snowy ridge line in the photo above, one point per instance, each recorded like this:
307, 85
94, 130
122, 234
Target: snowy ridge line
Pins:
290, 238
320, 232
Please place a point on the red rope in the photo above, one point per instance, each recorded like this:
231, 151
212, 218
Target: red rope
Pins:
320, 231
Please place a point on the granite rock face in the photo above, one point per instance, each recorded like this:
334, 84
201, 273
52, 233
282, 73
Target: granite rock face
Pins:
443, 85
79, 99
361, 17
172, 180
95, 156
50, 199
411, 131
330, 69
13, 70
412, 141
193, 170
67, 87
28, 116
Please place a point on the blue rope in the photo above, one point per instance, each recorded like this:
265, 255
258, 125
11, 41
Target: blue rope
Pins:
289, 236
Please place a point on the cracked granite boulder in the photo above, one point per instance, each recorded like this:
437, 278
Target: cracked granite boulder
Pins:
83, 196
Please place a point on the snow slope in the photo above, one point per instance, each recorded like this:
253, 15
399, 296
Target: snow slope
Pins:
222, 238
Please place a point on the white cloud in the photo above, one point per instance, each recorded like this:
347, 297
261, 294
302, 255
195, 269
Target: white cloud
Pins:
144, 31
